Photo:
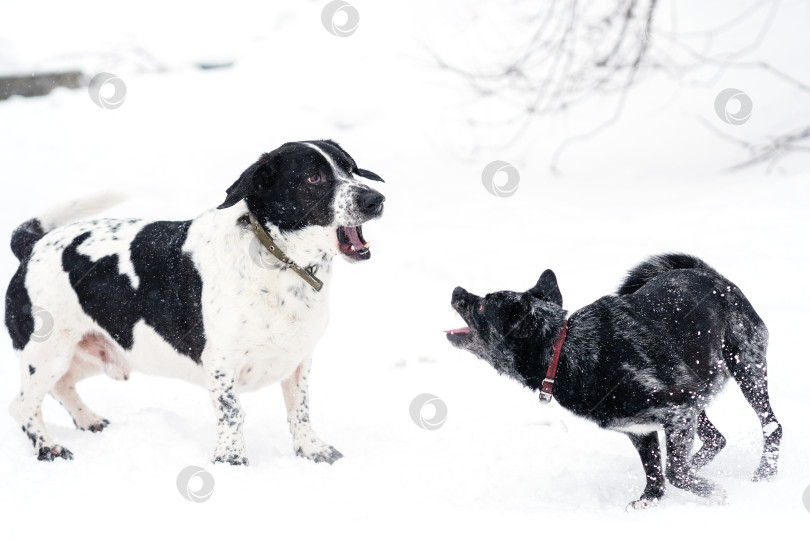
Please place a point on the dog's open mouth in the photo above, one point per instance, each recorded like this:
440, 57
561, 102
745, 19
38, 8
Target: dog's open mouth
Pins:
352, 244
460, 304
458, 335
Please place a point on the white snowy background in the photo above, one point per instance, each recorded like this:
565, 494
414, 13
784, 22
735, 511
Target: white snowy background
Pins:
501, 465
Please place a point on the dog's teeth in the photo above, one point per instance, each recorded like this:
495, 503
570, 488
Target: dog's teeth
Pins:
365, 246
351, 246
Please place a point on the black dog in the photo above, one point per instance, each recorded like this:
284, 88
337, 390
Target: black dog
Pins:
646, 359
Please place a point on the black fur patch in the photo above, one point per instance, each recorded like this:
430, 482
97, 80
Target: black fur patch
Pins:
168, 297
657, 265
19, 320
24, 237
276, 187
343, 160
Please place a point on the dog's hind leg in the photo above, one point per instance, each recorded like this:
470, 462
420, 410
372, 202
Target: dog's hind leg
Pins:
305, 442
649, 449
713, 441
94, 354
64, 391
43, 364
747, 364
679, 430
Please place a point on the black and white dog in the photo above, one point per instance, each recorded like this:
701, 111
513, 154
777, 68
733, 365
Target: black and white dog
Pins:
233, 300
646, 359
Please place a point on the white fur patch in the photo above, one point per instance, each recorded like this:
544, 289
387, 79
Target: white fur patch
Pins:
113, 237
769, 428
638, 429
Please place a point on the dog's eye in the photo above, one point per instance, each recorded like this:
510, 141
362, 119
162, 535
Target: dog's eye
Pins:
315, 179
481, 305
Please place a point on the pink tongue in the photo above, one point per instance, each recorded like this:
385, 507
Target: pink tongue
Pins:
464, 330
354, 238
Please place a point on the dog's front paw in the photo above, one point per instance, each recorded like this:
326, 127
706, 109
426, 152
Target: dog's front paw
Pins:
319, 453
49, 453
642, 504
232, 459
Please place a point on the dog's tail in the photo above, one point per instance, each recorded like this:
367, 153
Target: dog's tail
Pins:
26, 235
657, 265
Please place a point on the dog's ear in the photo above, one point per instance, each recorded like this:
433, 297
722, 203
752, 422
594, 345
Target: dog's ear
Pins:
368, 174
547, 289
253, 179
238, 191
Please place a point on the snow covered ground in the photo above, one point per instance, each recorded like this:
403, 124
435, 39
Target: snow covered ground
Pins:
501, 463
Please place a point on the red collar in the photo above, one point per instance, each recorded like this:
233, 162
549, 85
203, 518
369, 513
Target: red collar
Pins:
548, 382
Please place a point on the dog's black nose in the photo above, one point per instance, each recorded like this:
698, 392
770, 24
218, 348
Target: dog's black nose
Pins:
371, 202
458, 295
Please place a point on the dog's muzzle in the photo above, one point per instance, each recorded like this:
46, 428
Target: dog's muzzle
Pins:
460, 302
350, 239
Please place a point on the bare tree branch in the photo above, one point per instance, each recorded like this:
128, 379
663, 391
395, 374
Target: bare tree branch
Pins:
581, 49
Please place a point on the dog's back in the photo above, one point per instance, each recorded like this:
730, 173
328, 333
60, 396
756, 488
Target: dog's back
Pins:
697, 310
659, 265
